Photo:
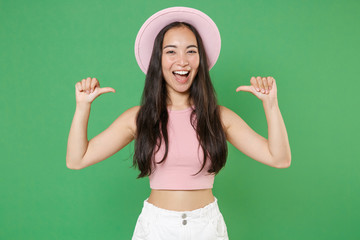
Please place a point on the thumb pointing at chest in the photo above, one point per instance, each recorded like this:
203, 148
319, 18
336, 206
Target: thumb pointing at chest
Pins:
246, 89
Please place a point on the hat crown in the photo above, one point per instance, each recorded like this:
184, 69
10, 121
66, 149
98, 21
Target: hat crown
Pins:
205, 26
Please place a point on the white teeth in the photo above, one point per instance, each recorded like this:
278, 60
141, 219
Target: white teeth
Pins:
181, 72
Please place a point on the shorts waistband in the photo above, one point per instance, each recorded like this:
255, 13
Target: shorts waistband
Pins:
152, 212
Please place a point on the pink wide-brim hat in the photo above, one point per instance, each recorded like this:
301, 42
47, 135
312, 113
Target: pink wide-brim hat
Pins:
206, 27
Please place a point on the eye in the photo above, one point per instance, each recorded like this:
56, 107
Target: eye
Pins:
171, 51
192, 51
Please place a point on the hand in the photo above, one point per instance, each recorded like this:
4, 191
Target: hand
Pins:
89, 89
263, 88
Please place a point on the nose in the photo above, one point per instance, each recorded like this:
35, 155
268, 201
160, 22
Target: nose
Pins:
182, 59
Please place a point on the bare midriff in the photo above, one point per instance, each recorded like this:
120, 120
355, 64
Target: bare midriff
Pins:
179, 200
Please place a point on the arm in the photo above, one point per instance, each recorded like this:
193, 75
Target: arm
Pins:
273, 152
278, 142
120, 133
246, 140
77, 140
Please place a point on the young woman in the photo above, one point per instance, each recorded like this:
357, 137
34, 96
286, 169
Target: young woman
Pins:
177, 123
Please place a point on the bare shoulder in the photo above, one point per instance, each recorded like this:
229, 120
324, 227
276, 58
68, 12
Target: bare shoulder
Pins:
228, 117
224, 115
130, 115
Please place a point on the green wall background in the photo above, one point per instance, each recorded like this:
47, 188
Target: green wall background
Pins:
310, 47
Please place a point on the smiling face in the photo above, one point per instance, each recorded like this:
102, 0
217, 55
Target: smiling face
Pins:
180, 59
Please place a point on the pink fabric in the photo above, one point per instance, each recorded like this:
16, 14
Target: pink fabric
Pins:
184, 158
206, 27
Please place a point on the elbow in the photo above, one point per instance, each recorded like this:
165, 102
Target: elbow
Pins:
283, 164
71, 166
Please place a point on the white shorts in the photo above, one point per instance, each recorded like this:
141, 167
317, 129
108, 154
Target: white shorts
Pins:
156, 223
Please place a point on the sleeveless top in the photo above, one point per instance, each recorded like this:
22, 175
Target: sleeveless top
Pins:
184, 159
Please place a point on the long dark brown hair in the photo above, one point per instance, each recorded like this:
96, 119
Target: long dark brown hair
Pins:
153, 116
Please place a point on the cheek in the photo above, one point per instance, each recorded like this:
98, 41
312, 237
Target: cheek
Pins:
165, 67
166, 63
195, 65
195, 61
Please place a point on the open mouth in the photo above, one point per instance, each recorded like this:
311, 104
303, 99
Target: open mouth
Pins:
181, 76
181, 73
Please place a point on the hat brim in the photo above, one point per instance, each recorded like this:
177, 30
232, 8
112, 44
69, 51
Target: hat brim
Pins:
206, 27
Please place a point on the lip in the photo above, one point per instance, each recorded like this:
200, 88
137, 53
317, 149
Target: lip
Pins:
189, 71
181, 82
181, 70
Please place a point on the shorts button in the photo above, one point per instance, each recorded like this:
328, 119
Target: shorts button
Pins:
184, 215
184, 222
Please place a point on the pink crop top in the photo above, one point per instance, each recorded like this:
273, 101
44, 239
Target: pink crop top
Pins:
185, 157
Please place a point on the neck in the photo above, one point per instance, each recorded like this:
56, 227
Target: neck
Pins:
179, 100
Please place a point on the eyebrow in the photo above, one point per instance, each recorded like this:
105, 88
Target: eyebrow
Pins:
174, 46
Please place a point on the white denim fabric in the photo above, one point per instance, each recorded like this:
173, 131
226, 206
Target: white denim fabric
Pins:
205, 223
